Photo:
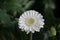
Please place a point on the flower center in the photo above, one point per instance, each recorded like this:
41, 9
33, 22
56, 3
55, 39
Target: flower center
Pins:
30, 21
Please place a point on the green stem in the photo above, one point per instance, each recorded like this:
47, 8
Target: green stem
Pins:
30, 36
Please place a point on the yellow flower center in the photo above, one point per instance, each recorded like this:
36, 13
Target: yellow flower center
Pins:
30, 21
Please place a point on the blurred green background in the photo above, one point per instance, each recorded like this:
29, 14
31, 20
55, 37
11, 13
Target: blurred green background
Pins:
10, 11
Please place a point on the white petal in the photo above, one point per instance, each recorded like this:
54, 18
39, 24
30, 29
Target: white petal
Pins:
27, 32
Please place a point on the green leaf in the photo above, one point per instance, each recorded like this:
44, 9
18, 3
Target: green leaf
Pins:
28, 4
5, 18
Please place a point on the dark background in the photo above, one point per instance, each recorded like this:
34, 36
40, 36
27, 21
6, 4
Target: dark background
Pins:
37, 7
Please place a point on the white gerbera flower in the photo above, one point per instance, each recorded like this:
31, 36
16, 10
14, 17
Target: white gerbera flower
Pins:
31, 21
